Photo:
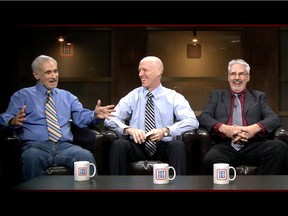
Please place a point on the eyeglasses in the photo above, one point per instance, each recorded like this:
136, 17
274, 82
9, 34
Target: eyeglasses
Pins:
240, 75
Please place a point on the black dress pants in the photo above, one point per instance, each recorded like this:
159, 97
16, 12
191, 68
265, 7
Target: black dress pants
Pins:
268, 155
124, 151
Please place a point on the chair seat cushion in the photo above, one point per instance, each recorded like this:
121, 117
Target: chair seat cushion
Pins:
142, 167
246, 170
59, 170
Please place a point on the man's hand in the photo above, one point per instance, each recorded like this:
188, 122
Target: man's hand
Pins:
230, 130
19, 118
140, 137
240, 133
236, 133
250, 131
104, 111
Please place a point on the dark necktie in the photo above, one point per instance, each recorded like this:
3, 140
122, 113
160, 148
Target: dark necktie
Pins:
150, 146
54, 130
237, 119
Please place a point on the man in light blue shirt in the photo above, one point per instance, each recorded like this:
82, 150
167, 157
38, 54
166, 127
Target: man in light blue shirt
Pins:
26, 113
173, 116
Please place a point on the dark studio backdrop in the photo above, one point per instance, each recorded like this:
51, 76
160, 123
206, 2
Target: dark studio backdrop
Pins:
126, 21
18, 13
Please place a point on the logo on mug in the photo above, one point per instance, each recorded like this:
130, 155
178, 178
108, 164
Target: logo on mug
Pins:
221, 174
160, 173
82, 171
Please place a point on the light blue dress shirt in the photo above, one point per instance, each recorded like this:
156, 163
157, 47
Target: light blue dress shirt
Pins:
35, 127
172, 110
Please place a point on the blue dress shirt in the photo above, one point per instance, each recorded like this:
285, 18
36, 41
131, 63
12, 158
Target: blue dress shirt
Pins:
35, 127
172, 110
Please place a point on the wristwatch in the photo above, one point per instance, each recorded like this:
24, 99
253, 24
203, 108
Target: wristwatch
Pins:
165, 131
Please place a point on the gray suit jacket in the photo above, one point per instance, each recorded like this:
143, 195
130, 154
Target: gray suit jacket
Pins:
256, 109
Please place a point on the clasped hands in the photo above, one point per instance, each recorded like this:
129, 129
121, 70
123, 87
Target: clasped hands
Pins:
240, 133
139, 136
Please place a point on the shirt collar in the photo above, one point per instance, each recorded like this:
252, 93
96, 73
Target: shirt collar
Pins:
42, 89
239, 93
155, 92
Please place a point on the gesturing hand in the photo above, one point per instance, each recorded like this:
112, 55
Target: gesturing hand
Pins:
19, 118
104, 111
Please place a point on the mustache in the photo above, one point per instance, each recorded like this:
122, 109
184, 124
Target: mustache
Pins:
237, 80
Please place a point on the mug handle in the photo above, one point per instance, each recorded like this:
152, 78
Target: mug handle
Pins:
234, 175
174, 173
94, 172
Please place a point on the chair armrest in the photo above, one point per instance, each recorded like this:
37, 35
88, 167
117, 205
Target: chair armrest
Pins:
204, 138
101, 150
10, 154
11, 142
85, 137
110, 135
282, 134
189, 139
98, 142
204, 142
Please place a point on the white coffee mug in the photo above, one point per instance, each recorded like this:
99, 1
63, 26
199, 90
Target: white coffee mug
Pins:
82, 170
161, 173
221, 173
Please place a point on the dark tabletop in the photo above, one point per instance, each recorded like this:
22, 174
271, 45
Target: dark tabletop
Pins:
145, 183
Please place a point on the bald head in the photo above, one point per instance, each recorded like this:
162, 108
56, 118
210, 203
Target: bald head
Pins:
154, 62
150, 72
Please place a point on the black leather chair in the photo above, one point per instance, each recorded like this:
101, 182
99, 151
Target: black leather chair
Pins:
146, 167
90, 138
204, 143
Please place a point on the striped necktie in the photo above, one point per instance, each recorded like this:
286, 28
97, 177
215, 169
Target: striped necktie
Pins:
150, 146
237, 119
54, 130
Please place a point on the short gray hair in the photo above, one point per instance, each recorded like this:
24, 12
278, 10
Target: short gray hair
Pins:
239, 61
42, 58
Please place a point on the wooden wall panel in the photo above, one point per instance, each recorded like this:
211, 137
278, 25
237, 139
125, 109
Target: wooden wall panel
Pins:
128, 48
261, 52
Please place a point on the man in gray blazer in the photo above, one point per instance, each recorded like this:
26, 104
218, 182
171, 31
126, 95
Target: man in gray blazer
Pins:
243, 139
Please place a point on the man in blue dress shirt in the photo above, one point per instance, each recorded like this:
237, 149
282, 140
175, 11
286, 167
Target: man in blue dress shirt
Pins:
173, 116
26, 113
